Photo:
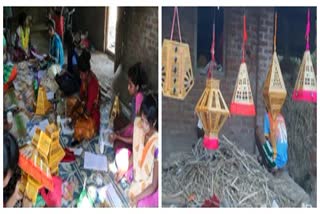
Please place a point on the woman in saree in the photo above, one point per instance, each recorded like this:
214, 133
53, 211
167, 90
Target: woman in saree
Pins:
144, 187
22, 41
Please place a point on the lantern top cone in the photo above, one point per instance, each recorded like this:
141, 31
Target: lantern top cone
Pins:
305, 88
43, 105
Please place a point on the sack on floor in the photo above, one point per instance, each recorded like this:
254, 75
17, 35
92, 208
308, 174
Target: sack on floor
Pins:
68, 83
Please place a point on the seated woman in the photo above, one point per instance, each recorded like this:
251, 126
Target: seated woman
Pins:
123, 138
144, 187
89, 117
11, 193
56, 54
22, 39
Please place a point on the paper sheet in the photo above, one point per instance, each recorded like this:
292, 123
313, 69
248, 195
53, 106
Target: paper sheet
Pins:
43, 124
95, 162
50, 95
37, 56
109, 194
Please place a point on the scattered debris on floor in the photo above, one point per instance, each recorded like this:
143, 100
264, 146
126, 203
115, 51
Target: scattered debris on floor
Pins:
231, 176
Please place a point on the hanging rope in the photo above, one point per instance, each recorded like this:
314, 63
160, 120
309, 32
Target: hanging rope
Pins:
275, 32
308, 31
175, 15
212, 46
244, 37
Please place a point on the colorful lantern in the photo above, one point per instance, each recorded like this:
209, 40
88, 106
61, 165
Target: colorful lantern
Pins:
211, 108
177, 74
274, 90
242, 100
305, 88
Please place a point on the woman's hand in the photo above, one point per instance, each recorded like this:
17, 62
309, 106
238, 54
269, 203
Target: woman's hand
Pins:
17, 194
26, 202
113, 137
133, 202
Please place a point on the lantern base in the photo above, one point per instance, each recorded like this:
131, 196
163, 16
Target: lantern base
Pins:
242, 109
304, 96
210, 143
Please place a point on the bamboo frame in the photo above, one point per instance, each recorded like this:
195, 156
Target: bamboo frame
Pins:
212, 109
177, 73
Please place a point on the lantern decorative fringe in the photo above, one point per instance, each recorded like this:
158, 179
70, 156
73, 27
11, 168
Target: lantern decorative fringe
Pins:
305, 88
43, 105
213, 111
177, 74
274, 90
242, 100
39, 161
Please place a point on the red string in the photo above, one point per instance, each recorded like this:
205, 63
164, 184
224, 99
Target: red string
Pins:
308, 31
245, 38
212, 52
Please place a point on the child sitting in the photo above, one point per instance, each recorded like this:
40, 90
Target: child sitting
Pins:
144, 187
10, 165
273, 147
123, 138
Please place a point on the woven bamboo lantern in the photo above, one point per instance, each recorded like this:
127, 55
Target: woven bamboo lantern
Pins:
177, 74
43, 105
211, 108
115, 109
274, 90
242, 100
40, 160
305, 88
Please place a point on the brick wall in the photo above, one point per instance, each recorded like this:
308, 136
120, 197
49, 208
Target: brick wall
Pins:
178, 117
137, 40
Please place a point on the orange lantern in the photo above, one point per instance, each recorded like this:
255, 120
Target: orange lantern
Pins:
274, 90
305, 88
211, 108
242, 100
177, 75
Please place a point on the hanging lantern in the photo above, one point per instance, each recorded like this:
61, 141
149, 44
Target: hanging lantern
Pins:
242, 99
274, 90
305, 88
43, 105
211, 108
177, 74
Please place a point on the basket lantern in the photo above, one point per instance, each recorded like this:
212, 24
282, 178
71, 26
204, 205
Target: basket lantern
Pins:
213, 111
305, 88
242, 100
177, 74
274, 90
43, 105
211, 108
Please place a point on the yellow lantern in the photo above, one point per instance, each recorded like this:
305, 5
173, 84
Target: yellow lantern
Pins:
177, 74
274, 90
213, 111
43, 105
211, 108
305, 88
